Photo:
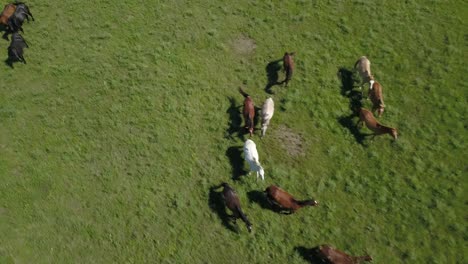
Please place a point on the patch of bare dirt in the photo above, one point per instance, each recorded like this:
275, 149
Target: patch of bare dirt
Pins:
243, 45
290, 141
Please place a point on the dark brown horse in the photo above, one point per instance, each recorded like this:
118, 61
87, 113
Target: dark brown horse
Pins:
8, 10
288, 66
376, 97
366, 116
248, 112
285, 201
331, 255
232, 202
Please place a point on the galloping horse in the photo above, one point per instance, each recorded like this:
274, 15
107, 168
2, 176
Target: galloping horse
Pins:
285, 201
232, 202
371, 123
268, 110
251, 156
248, 111
331, 255
376, 97
362, 65
288, 64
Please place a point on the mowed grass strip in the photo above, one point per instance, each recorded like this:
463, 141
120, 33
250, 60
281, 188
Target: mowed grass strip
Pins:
125, 116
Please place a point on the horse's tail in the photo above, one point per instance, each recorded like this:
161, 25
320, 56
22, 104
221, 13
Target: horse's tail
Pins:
310, 202
244, 218
243, 93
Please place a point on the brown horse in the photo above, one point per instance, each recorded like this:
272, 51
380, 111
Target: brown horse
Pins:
285, 201
331, 255
8, 10
288, 64
248, 111
376, 97
366, 116
232, 202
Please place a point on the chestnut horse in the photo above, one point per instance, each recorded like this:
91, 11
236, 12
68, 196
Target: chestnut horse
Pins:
232, 202
366, 116
248, 111
288, 64
8, 10
376, 97
285, 201
331, 255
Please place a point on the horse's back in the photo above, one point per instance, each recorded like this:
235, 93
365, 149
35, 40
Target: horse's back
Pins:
363, 67
280, 196
376, 95
367, 116
268, 109
250, 150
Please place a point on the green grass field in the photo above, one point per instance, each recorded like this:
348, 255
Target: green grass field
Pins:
126, 114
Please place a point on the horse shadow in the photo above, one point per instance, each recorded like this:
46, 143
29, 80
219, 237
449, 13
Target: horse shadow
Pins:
355, 97
272, 70
261, 199
216, 203
235, 120
347, 79
347, 121
237, 162
257, 118
308, 255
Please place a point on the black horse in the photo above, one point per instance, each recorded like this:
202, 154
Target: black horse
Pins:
232, 202
22, 12
15, 50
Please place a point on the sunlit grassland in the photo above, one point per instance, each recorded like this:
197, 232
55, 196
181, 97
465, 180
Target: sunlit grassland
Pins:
114, 132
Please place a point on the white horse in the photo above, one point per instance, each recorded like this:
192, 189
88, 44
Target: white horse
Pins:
251, 156
267, 113
363, 67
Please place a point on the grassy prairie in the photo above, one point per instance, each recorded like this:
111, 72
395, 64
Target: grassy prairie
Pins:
127, 113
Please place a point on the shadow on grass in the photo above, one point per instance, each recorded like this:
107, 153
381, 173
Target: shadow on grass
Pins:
308, 255
257, 117
347, 80
346, 77
347, 121
272, 70
235, 120
216, 203
261, 199
237, 162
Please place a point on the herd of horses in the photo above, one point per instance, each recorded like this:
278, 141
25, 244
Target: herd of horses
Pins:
12, 19
280, 200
